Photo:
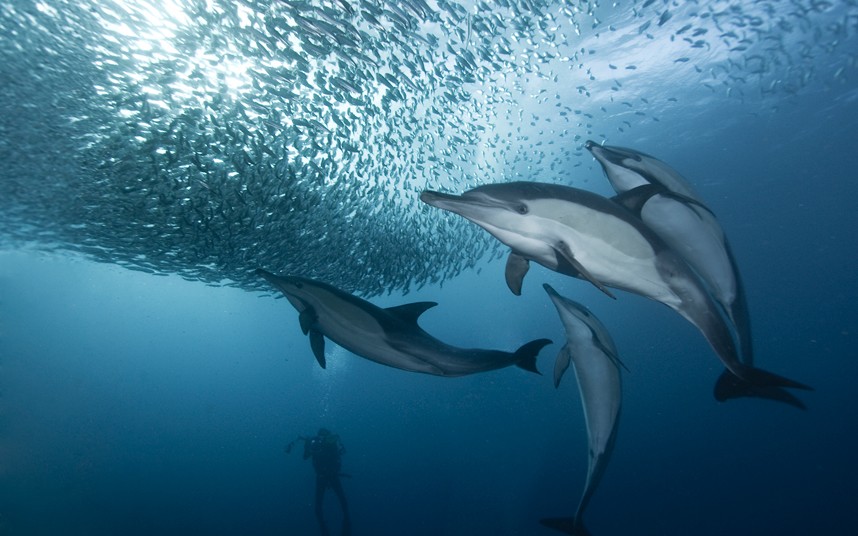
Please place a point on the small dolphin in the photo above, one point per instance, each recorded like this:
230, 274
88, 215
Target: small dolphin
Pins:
388, 336
579, 233
627, 169
662, 198
592, 351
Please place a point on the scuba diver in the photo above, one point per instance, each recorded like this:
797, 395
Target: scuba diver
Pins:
326, 450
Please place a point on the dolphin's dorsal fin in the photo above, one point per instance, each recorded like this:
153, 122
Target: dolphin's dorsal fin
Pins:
565, 254
306, 319
410, 312
317, 343
516, 267
633, 200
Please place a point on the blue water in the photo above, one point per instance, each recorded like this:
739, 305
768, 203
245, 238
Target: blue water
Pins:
133, 403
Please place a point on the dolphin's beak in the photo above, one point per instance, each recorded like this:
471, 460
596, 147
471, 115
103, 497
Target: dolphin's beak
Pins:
441, 200
271, 278
477, 208
468, 204
556, 298
599, 151
614, 155
457, 204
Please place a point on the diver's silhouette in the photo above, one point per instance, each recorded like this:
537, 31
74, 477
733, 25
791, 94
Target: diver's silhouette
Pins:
326, 450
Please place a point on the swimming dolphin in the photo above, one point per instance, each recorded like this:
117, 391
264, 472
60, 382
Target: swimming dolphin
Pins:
592, 351
664, 200
627, 169
579, 233
388, 336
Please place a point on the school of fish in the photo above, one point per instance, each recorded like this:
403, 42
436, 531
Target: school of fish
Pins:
200, 138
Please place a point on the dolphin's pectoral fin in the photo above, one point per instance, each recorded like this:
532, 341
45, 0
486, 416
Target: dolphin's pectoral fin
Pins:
610, 353
317, 343
564, 255
306, 319
564, 358
516, 267
410, 312
618, 362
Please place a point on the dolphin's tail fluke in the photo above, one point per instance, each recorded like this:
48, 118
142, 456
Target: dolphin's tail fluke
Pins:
525, 357
763, 378
566, 525
731, 386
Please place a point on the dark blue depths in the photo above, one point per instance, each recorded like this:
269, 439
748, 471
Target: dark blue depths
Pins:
137, 404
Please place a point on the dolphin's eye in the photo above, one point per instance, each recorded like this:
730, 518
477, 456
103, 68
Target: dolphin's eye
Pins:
521, 209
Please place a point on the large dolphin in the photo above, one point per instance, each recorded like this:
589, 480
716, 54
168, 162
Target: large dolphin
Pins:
592, 352
664, 200
579, 233
388, 336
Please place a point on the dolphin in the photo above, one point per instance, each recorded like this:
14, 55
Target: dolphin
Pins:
582, 234
592, 351
388, 336
664, 200
627, 169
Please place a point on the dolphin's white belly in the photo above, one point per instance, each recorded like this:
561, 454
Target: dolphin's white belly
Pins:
612, 250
